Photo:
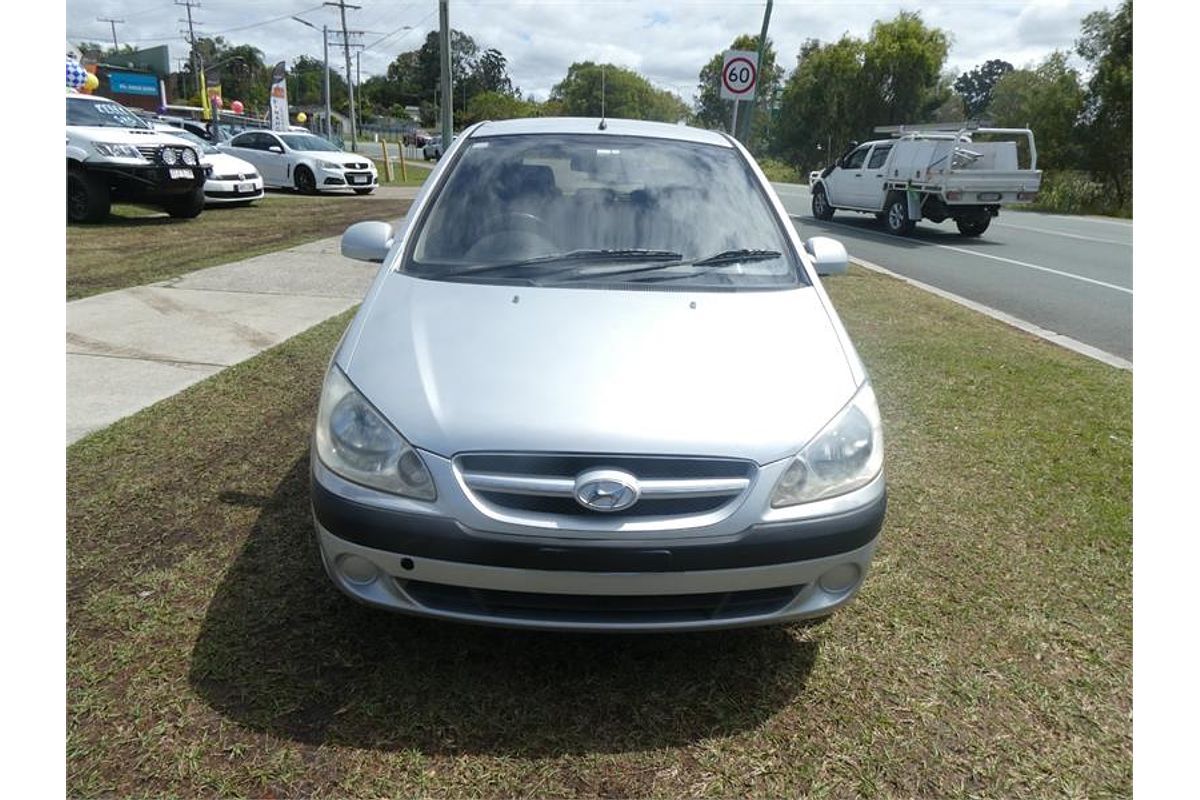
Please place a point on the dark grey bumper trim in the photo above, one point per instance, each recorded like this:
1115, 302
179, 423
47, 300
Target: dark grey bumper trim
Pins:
437, 538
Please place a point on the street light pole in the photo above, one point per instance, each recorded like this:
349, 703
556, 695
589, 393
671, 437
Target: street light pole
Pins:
762, 51
325, 56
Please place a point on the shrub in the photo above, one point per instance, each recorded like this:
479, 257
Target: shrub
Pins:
781, 171
1075, 192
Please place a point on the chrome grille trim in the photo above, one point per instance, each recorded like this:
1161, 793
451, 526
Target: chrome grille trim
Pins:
565, 487
538, 490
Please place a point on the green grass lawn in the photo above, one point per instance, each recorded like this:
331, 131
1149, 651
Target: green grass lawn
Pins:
137, 245
988, 655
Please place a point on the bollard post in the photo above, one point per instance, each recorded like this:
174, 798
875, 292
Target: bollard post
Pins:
387, 162
403, 167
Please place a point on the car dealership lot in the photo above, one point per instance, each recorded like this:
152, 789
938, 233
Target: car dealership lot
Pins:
988, 654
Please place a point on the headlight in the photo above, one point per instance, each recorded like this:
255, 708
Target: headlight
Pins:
329, 165
189, 157
117, 150
845, 455
356, 442
169, 155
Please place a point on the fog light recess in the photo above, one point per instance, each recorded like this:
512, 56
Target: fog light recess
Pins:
840, 579
357, 569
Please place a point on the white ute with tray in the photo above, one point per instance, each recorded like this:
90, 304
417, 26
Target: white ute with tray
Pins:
930, 173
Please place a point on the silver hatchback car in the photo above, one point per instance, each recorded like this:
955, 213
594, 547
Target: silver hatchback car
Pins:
597, 385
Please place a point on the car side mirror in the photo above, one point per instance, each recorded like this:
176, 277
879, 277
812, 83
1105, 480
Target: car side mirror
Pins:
371, 241
276, 149
828, 255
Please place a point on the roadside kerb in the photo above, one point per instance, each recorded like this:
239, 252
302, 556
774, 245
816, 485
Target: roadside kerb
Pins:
128, 349
1008, 319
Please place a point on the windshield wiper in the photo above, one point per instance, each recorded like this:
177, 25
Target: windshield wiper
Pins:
563, 258
714, 262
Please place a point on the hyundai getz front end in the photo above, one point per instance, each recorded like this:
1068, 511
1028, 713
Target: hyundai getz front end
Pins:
596, 385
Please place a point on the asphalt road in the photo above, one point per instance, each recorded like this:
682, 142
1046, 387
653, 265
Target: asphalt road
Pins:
1069, 275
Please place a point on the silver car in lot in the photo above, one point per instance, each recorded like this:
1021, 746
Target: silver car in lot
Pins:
597, 385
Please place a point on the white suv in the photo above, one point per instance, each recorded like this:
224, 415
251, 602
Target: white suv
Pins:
113, 155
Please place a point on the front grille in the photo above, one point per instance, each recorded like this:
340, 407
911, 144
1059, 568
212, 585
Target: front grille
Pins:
542, 486
356, 165
149, 152
239, 177
573, 608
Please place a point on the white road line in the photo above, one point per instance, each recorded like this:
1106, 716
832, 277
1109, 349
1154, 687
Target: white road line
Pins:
1070, 275
1042, 333
964, 251
1061, 233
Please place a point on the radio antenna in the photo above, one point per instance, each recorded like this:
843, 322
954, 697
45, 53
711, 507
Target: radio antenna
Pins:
603, 91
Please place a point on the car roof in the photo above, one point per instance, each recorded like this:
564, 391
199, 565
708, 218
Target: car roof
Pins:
591, 125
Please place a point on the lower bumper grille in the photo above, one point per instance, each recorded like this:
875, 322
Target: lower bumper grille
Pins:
570, 608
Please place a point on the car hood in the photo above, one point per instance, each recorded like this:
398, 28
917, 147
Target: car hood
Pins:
225, 164
460, 367
134, 136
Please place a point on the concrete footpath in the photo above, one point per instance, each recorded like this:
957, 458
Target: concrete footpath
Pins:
128, 349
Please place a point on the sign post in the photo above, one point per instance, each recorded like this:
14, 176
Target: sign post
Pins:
739, 77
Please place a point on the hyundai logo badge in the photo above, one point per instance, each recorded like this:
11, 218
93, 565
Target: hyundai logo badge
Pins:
606, 490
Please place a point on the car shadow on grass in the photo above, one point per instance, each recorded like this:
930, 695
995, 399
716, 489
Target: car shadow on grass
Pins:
282, 651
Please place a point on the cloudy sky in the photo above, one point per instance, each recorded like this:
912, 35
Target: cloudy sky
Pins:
668, 42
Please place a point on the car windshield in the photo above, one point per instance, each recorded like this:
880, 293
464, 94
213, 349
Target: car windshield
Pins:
204, 146
601, 209
101, 114
306, 141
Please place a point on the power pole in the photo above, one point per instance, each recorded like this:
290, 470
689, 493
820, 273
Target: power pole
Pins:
114, 23
447, 82
342, 5
191, 31
328, 105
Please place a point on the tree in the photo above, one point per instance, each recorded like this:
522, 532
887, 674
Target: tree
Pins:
1107, 46
498, 105
975, 87
490, 74
713, 112
822, 107
1048, 99
626, 94
901, 63
306, 83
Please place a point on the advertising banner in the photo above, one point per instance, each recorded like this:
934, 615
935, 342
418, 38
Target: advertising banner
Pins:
279, 101
133, 83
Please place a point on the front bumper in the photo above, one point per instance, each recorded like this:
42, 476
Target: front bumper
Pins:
149, 183
232, 191
437, 566
346, 179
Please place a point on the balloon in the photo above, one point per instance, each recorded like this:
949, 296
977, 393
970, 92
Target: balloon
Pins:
237, 106
76, 75
91, 82
302, 118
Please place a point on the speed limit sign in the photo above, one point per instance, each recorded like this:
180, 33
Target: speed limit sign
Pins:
739, 75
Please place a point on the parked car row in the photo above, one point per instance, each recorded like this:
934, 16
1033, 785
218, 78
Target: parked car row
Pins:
117, 155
